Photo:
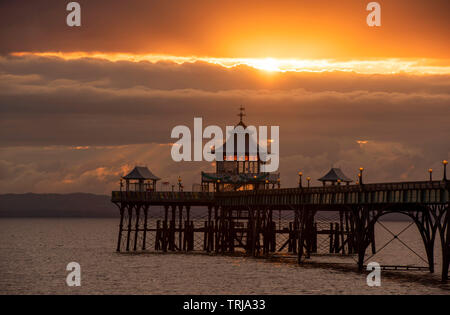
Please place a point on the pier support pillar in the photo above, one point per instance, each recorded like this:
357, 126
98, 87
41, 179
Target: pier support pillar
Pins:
427, 228
136, 227
299, 217
172, 229
144, 236
180, 227
305, 232
251, 239
119, 238
341, 234
443, 215
130, 217
364, 225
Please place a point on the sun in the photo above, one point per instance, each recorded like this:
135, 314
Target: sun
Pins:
266, 64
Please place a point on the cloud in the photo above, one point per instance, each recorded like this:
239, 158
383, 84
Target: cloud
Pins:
64, 169
77, 125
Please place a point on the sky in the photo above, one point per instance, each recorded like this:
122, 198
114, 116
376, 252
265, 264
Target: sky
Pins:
80, 106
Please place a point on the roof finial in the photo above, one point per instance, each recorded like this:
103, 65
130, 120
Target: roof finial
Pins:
241, 112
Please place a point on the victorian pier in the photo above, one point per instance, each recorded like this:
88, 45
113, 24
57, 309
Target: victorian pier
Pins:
241, 209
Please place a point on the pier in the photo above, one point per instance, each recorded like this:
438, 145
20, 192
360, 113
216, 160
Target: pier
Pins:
267, 221
240, 208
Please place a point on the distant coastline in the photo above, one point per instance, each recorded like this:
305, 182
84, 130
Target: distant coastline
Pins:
82, 205
76, 205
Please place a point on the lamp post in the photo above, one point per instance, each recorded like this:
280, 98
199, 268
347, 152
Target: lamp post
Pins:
309, 180
179, 183
339, 182
430, 170
361, 175
217, 186
267, 184
445, 162
300, 174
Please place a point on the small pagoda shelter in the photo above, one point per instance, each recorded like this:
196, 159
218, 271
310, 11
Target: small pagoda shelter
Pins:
335, 177
239, 170
140, 179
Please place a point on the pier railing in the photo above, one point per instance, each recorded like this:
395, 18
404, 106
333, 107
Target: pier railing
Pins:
425, 192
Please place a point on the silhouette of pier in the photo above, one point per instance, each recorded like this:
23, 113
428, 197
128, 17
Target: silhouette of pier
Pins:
244, 209
266, 221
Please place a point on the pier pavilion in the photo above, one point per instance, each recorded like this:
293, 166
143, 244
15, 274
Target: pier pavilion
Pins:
239, 170
335, 177
139, 179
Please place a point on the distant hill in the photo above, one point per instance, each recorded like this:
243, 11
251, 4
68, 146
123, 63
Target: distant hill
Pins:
89, 206
57, 205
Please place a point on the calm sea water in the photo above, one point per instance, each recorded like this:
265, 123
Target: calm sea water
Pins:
34, 254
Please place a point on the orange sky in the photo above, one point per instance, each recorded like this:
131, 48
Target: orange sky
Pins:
297, 29
343, 94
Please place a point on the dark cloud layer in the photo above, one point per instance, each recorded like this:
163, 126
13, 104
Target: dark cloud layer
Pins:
77, 125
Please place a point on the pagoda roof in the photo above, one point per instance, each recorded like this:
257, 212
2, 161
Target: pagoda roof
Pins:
249, 141
334, 175
141, 172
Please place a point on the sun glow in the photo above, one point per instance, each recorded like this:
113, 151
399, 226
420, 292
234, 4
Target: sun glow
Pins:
267, 64
379, 66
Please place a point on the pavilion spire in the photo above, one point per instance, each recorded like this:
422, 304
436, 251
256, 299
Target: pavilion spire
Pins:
241, 113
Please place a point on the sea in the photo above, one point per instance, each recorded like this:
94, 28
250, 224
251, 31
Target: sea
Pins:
35, 252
